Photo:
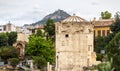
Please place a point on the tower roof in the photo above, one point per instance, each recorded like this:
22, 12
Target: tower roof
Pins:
74, 18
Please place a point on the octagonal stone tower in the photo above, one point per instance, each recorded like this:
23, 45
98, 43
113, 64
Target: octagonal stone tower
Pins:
74, 44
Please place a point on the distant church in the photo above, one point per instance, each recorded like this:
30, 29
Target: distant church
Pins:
74, 44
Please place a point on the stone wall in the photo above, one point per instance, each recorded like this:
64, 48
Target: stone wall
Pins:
74, 46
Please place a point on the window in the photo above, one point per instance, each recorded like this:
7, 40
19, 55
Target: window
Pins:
103, 32
88, 48
66, 35
108, 32
88, 61
99, 33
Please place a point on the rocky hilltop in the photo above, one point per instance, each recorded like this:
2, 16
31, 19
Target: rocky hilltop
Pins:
56, 16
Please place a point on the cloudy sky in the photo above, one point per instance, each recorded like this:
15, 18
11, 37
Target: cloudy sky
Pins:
21, 12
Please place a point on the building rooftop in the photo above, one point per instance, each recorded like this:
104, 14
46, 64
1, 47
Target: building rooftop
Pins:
102, 23
74, 18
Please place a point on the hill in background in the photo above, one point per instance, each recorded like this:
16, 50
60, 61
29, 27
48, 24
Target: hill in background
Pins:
56, 16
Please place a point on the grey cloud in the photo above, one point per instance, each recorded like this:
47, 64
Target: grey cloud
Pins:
95, 3
29, 11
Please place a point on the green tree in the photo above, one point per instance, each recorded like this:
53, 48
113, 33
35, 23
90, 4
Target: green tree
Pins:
115, 27
106, 15
99, 56
105, 66
100, 43
7, 52
13, 62
50, 29
39, 33
8, 38
113, 50
3, 39
42, 48
12, 37
40, 62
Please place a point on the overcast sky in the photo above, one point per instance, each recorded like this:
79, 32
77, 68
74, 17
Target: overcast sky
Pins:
20, 12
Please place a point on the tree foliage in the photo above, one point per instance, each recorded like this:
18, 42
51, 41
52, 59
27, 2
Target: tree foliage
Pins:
7, 52
12, 37
99, 57
106, 15
39, 33
113, 50
3, 39
115, 27
40, 62
42, 50
112, 47
14, 61
101, 42
50, 29
107, 66
7, 39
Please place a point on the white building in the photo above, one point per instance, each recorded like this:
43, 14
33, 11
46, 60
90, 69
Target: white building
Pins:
10, 27
1, 28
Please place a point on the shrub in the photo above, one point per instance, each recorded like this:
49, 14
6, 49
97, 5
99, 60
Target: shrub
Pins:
14, 61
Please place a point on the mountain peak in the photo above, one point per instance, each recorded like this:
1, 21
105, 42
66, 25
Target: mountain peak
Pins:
57, 16
59, 11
